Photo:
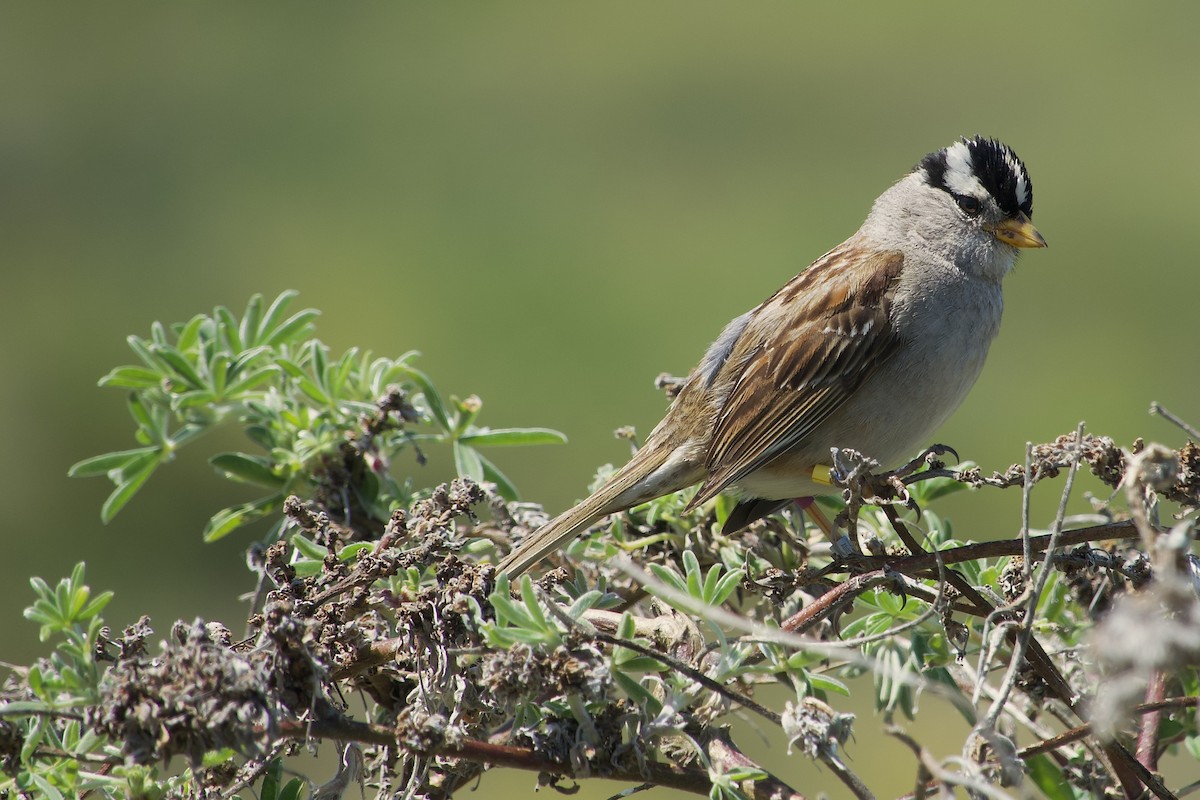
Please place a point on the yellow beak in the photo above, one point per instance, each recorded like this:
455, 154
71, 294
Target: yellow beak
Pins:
1018, 231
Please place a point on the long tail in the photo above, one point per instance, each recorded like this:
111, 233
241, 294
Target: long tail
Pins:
647, 475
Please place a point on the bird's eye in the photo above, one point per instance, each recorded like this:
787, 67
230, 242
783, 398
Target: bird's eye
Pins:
969, 205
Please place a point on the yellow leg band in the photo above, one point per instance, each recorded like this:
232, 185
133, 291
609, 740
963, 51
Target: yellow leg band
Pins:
820, 474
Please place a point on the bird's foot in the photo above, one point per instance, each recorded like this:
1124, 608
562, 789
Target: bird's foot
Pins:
930, 458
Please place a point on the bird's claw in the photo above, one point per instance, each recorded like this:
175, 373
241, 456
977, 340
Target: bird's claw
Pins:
929, 457
902, 494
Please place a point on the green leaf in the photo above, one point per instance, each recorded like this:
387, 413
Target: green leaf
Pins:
669, 577
135, 466
512, 436
292, 790
937, 488
306, 567
227, 329
313, 390
248, 357
194, 399
341, 371
47, 789
296, 327
637, 693
34, 678
40, 587
24, 706
507, 637
248, 330
743, 774
1192, 745
629, 661
248, 469
187, 433
510, 614
711, 581
586, 601
189, 336
144, 419
351, 551
180, 366
270, 781
149, 357
216, 757
308, 548
318, 362
106, 463
532, 604
250, 381
1047, 777
96, 606
504, 486
218, 372
127, 489
437, 406
132, 378
725, 587
230, 519
34, 737
467, 462
691, 567
270, 320
827, 684
78, 599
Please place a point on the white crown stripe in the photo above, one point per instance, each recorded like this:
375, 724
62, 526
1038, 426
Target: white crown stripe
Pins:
960, 171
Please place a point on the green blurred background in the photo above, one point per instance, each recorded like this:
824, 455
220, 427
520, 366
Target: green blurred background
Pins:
554, 202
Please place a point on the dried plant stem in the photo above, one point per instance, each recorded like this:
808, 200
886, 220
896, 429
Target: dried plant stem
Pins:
1155, 408
922, 561
1085, 730
721, 753
1034, 592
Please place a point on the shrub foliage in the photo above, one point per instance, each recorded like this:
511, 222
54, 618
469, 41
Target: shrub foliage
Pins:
379, 629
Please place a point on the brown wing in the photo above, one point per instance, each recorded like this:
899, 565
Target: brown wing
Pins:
806, 350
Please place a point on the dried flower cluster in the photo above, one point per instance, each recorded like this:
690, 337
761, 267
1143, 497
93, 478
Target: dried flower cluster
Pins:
196, 696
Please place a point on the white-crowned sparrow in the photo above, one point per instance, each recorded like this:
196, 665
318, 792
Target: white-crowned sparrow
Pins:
870, 348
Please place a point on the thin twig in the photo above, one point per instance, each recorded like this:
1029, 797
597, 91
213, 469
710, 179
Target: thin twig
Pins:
82, 758
909, 565
812, 614
939, 773
726, 757
846, 776
1147, 742
694, 674
1025, 630
1085, 730
245, 776
699, 677
52, 713
1155, 408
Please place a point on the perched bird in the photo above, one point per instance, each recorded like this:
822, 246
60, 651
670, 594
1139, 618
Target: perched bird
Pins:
871, 347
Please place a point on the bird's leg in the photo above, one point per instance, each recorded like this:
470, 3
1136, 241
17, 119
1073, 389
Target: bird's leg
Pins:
808, 506
851, 472
891, 484
843, 545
